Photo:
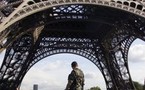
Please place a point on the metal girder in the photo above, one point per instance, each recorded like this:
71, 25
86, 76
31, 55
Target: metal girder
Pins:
14, 11
116, 55
37, 29
14, 62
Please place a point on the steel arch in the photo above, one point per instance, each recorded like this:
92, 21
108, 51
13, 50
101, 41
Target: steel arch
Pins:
114, 43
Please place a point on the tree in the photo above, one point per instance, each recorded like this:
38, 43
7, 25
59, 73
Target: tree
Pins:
138, 86
95, 88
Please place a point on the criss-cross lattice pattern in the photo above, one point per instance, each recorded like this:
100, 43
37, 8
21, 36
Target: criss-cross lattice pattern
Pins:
101, 31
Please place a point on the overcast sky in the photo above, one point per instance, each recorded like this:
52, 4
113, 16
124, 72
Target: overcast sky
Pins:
51, 73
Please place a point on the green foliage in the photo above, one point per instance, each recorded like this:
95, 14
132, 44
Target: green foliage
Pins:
95, 88
138, 86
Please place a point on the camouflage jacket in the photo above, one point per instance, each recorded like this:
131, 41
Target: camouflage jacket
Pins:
75, 80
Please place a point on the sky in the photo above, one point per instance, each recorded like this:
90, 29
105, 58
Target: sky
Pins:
51, 73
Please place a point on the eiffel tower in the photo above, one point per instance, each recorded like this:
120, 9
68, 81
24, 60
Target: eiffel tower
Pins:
99, 30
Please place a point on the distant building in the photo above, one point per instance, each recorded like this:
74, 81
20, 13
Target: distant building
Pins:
35, 87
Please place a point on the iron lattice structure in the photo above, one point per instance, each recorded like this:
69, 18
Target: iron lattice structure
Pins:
101, 31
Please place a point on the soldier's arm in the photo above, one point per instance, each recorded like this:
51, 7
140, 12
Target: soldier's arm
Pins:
70, 81
68, 85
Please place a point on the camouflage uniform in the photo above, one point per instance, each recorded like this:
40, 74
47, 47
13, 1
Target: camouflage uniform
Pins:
75, 80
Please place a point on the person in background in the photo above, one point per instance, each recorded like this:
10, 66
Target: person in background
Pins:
75, 78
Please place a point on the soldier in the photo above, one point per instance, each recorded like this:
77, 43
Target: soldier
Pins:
75, 78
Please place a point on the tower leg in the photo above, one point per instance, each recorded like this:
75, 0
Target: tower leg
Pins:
14, 62
116, 51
